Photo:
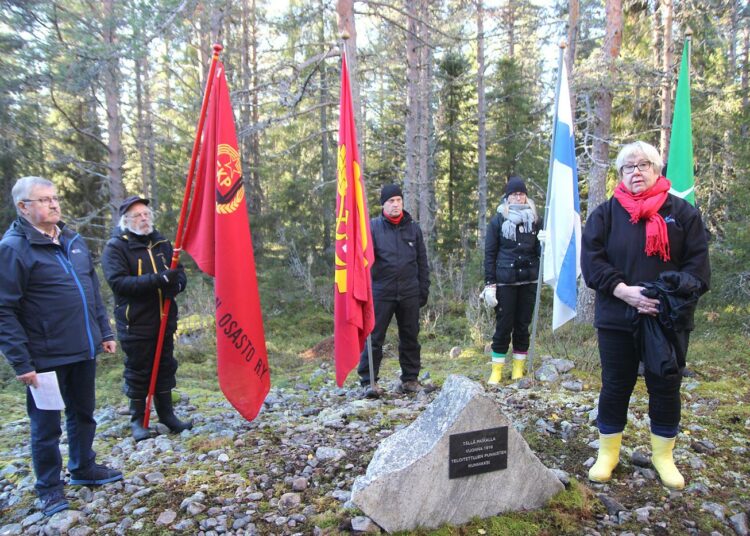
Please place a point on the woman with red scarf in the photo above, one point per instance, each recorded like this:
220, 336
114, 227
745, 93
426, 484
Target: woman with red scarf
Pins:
639, 233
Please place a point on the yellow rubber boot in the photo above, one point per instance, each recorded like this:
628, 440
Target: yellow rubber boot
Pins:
608, 457
497, 373
518, 367
498, 362
661, 457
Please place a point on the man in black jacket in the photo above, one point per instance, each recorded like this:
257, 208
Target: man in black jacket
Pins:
136, 263
400, 286
53, 320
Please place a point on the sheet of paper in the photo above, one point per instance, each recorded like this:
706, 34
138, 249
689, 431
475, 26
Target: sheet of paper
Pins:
47, 395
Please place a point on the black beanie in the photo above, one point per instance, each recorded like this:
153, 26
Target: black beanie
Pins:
388, 191
515, 185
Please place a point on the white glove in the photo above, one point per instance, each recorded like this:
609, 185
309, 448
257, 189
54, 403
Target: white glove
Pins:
489, 296
542, 235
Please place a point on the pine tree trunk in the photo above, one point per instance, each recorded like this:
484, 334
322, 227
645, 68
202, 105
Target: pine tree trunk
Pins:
345, 10
110, 79
411, 174
601, 132
481, 131
666, 85
745, 77
570, 58
327, 171
426, 182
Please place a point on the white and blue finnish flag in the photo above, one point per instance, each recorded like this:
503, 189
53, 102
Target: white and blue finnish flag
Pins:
562, 253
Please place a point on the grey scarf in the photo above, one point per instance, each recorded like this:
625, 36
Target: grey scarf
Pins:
516, 215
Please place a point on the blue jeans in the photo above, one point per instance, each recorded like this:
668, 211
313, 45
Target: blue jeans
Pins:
620, 357
77, 388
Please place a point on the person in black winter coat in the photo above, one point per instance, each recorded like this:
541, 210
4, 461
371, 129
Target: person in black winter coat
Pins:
136, 262
511, 270
637, 237
400, 286
53, 320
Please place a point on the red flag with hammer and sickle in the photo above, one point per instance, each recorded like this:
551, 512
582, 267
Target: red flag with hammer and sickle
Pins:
354, 316
218, 238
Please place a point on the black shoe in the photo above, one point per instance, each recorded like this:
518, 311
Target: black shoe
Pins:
96, 475
411, 386
165, 410
137, 410
54, 502
373, 391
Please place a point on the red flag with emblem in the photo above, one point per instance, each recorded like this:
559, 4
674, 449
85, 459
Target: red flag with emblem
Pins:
218, 238
353, 316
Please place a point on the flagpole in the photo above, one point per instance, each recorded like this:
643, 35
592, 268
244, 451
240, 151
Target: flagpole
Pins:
180, 230
540, 278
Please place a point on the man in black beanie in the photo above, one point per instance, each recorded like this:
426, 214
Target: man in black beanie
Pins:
400, 286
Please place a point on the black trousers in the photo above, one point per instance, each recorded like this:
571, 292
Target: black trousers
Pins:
515, 307
409, 357
139, 361
620, 357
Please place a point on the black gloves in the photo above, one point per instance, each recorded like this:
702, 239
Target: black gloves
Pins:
168, 277
423, 300
171, 281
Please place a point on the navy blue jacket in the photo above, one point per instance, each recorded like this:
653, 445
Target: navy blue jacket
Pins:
130, 263
400, 269
51, 311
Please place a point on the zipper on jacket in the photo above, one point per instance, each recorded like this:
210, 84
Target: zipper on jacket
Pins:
61, 260
156, 271
83, 296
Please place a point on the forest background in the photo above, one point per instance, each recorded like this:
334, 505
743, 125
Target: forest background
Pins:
102, 97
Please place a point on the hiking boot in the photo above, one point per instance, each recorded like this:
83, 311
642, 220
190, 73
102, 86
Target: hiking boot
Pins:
53, 502
373, 391
96, 475
411, 386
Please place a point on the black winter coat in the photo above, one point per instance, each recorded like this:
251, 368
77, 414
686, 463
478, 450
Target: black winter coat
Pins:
509, 262
663, 339
613, 252
51, 311
400, 269
131, 264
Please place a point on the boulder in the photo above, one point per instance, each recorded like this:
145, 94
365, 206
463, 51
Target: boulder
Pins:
411, 468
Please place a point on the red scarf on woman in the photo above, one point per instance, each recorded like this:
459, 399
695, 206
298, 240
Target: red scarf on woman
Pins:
645, 206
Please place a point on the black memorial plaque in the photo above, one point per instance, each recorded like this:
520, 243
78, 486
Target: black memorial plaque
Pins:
481, 451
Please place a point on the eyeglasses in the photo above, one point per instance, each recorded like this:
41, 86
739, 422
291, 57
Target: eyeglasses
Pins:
43, 200
146, 214
630, 168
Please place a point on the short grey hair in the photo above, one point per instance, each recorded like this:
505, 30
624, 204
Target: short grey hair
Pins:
23, 186
640, 148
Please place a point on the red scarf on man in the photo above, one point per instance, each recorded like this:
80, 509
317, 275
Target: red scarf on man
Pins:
645, 206
396, 220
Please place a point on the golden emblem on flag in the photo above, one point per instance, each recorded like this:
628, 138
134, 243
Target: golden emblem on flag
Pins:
229, 188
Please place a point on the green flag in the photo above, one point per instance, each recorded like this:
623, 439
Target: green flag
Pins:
680, 168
